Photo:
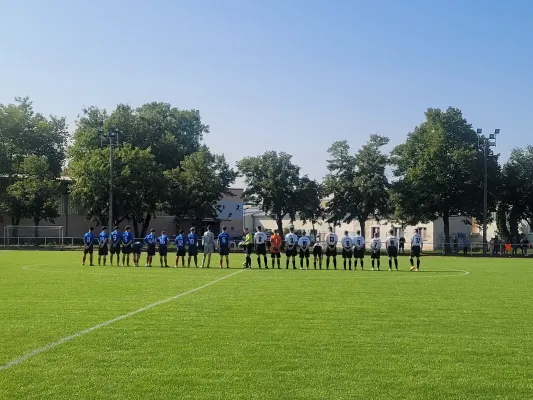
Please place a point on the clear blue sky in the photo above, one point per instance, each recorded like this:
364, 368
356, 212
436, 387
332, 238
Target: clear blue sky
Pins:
289, 75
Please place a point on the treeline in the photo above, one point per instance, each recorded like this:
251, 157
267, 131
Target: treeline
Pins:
162, 164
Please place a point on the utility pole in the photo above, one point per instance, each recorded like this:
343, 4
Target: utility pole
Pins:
112, 140
487, 143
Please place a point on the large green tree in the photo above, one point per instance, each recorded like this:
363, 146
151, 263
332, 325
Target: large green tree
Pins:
440, 170
194, 189
357, 183
164, 132
35, 194
274, 185
312, 209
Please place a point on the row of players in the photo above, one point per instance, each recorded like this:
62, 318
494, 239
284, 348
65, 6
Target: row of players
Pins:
355, 247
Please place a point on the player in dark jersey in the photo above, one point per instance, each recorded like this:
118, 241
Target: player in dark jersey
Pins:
88, 243
116, 237
162, 243
150, 247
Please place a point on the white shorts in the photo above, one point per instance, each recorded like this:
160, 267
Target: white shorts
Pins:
209, 248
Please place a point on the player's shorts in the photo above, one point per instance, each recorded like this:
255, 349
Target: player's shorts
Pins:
249, 248
103, 250
304, 253
375, 254
163, 251
210, 249
136, 249
317, 251
126, 249
115, 249
346, 253
359, 253
402, 246
415, 251
180, 251
392, 251
331, 251
150, 250
275, 254
88, 249
193, 251
223, 251
290, 252
261, 250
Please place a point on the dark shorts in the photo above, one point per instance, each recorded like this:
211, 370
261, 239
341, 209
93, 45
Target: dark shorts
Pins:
180, 251
127, 249
163, 251
249, 248
223, 250
102, 251
304, 253
193, 251
150, 250
115, 249
134, 250
375, 255
261, 250
275, 255
290, 252
88, 249
392, 251
331, 251
346, 253
415, 251
317, 251
359, 253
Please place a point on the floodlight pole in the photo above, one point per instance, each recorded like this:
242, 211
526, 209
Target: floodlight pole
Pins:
487, 143
112, 138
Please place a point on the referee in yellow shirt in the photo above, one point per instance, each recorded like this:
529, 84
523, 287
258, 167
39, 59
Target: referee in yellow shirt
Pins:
248, 244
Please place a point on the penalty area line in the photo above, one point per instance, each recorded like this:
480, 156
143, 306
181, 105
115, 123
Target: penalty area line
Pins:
76, 335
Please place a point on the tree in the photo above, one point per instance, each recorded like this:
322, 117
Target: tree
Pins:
35, 194
311, 209
357, 183
195, 188
440, 168
166, 133
273, 184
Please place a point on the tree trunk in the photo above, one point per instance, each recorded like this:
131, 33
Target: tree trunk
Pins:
513, 224
279, 223
135, 227
362, 226
447, 241
146, 224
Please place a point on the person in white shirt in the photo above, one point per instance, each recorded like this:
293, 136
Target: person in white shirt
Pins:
304, 243
208, 241
359, 249
392, 249
375, 247
331, 247
346, 243
260, 239
291, 241
416, 250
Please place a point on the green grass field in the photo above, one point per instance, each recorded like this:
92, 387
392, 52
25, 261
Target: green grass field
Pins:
266, 334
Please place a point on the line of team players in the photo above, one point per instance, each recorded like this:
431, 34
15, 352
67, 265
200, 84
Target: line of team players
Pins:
351, 248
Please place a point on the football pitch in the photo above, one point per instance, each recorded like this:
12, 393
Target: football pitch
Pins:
461, 328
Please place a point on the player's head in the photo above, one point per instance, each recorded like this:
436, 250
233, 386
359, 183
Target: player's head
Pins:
291, 229
117, 228
193, 229
303, 233
276, 231
104, 228
416, 231
246, 230
152, 230
358, 232
223, 229
376, 235
181, 231
391, 232
209, 228
346, 233
259, 228
91, 229
162, 232
330, 229
128, 228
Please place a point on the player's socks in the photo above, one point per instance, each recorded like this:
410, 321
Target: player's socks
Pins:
372, 264
350, 264
314, 263
417, 263
293, 263
287, 263
344, 262
379, 264
390, 263
273, 263
279, 263
259, 261
396, 263
327, 263
362, 265
301, 263
227, 263
335, 263
411, 261
307, 263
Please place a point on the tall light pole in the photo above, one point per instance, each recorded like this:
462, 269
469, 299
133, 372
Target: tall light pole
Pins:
112, 140
487, 143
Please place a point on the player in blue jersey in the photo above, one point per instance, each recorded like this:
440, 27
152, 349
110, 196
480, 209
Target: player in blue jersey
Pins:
88, 242
103, 239
136, 250
115, 239
150, 247
223, 246
180, 249
192, 243
127, 242
162, 243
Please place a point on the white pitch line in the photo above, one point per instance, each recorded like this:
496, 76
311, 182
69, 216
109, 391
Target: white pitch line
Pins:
76, 335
